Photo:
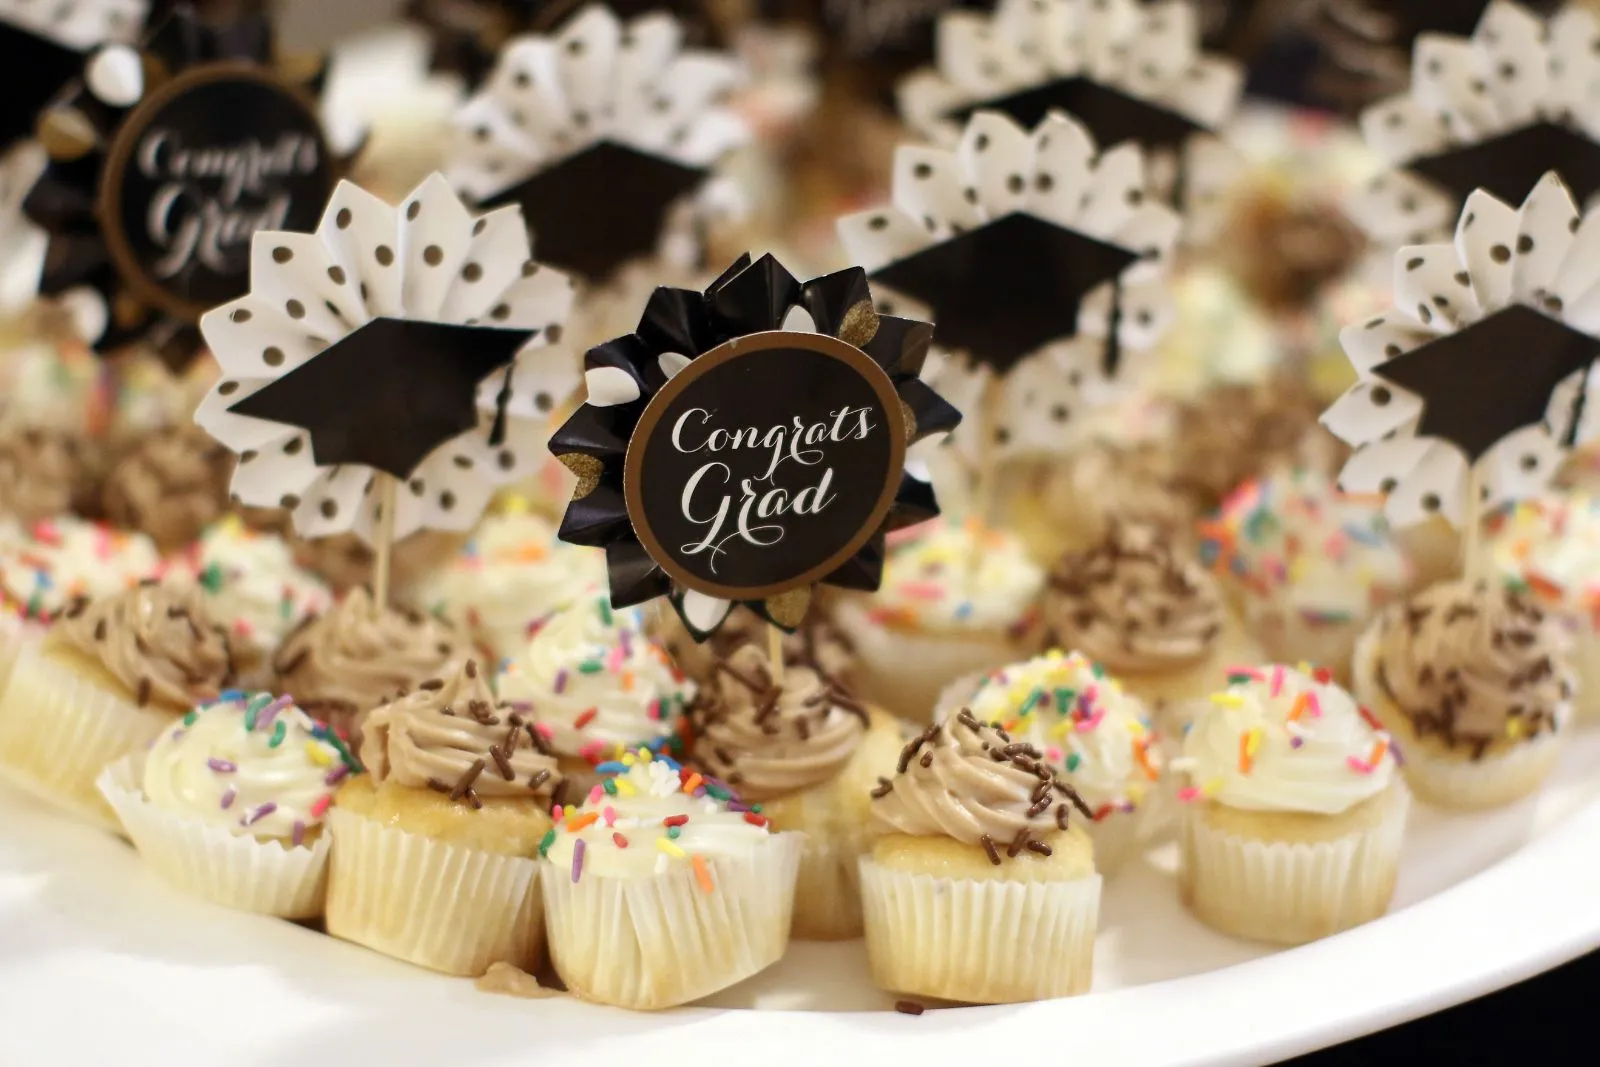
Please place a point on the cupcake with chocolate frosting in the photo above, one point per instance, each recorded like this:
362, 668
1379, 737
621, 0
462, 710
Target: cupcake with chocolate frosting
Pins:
344, 662
170, 485
808, 753
435, 863
956, 598
976, 838
818, 644
1150, 616
109, 676
1473, 681
231, 803
43, 473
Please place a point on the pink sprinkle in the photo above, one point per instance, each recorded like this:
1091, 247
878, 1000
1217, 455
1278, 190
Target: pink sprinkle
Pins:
546, 731
557, 812
1360, 766
614, 660
1083, 726
609, 814
1277, 680
921, 590
1313, 705
592, 750
1189, 793
578, 848
320, 805
1053, 754
595, 793
1296, 742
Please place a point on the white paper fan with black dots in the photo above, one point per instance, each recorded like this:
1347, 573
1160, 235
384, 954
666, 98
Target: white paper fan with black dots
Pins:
1485, 364
1493, 111
603, 132
1125, 69
1038, 258
405, 282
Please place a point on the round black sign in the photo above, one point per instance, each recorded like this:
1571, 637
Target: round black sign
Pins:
765, 464
200, 165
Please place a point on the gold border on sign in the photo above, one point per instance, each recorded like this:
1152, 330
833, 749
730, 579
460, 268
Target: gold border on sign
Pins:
119, 154
832, 347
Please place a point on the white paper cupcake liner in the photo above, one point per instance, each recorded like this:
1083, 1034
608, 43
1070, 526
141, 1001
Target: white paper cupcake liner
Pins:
827, 893
1290, 892
979, 942
15, 635
238, 872
661, 940
58, 731
432, 903
1584, 655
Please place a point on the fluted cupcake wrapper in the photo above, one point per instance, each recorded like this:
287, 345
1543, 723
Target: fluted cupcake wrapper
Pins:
1290, 892
58, 731
962, 939
236, 871
432, 903
662, 940
827, 895
15, 635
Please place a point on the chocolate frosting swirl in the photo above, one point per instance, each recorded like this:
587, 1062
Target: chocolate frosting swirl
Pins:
346, 661
452, 736
42, 473
157, 640
1131, 604
972, 782
1464, 661
171, 485
1104, 483
768, 740
1235, 432
818, 644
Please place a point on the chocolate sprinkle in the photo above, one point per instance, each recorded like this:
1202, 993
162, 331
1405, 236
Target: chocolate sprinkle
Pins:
988, 847
908, 1007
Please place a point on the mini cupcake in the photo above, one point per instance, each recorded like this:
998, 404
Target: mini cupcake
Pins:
809, 754
1310, 566
817, 644
661, 888
111, 675
1093, 734
47, 566
435, 844
170, 484
44, 472
1549, 550
1473, 681
511, 574
594, 682
344, 662
230, 804
979, 890
1292, 820
1150, 616
956, 599
252, 586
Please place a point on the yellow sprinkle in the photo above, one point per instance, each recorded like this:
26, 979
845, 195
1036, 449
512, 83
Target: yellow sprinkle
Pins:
517, 504
625, 787
1054, 656
1514, 729
1212, 788
1136, 728
318, 754
1253, 741
670, 848
1227, 700
1062, 728
628, 759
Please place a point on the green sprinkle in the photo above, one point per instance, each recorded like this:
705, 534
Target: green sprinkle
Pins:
756, 808
279, 729
548, 840
1073, 759
610, 786
590, 666
1064, 699
188, 720
1240, 679
605, 610
255, 708
1097, 670
672, 832
1033, 698
211, 577
717, 792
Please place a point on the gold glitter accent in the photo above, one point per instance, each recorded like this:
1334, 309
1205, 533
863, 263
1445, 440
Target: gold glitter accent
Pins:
300, 68
587, 468
67, 133
127, 310
788, 610
910, 418
860, 324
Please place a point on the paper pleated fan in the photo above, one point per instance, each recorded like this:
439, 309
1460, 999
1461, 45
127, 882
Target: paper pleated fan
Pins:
603, 133
117, 140
386, 341
1037, 257
45, 46
1493, 111
1126, 70
1485, 362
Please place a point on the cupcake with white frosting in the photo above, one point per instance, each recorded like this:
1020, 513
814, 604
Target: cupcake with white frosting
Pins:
1294, 809
662, 888
231, 803
1094, 734
1472, 679
809, 754
512, 573
956, 598
595, 683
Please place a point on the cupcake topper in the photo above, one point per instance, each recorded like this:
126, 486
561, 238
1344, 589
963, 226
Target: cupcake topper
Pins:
1039, 258
597, 132
1475, 387
1494, 111
44, 46
144, 235
393, 345
1127, 71
749, 442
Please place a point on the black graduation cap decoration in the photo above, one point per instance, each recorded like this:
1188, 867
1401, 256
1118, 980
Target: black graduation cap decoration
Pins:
1493, 111
603, 133
139, 244
44, 46
396, 352
1132, 73
748, 442
1475, 387
1065, 267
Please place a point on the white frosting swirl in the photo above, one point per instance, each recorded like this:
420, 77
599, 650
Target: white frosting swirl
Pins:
254, 764
1096, 737
1280, 740
252, 585
1552, 546
46, 565
958, 576
640, 799
592, 677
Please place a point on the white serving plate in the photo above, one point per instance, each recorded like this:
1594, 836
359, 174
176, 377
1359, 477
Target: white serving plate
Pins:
102, 963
